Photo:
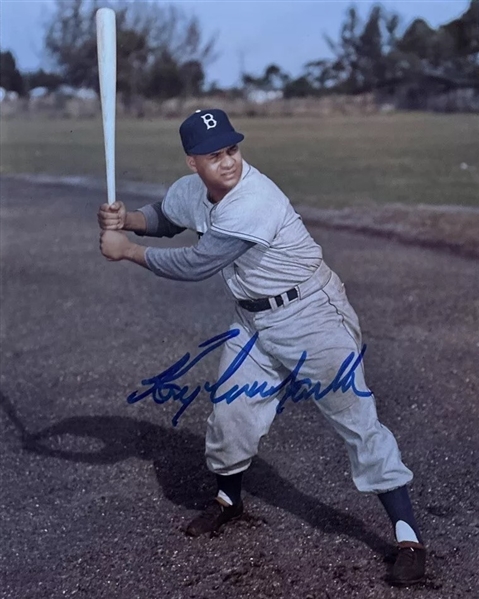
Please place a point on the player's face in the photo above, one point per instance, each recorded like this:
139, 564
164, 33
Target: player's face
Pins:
220, 171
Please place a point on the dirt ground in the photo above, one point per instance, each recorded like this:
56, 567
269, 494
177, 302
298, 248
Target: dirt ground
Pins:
95, 492
452, 228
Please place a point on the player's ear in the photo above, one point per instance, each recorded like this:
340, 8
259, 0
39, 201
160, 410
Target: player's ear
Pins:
191, 162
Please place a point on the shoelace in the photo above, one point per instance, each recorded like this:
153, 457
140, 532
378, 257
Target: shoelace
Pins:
407, 554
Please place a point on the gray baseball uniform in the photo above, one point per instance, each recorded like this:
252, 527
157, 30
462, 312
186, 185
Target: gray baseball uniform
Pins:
263, 250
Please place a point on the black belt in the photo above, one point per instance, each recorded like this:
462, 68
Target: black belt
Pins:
263, 303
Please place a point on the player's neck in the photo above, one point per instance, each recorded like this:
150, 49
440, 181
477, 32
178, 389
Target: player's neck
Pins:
215, 195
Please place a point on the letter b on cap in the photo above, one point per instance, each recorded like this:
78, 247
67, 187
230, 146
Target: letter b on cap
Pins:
209, 121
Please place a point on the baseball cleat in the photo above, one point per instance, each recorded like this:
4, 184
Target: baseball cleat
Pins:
213, 517
410, 565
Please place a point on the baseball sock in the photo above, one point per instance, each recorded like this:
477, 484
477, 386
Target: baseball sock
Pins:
399, 509
230, 486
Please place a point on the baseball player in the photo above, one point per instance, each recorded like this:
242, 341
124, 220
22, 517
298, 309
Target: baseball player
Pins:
286, 295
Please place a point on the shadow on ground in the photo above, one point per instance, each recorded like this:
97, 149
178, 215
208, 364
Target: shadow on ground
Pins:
182, 480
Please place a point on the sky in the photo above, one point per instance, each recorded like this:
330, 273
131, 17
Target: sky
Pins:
249, 34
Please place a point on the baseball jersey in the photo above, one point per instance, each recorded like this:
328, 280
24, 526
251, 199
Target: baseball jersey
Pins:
283, 255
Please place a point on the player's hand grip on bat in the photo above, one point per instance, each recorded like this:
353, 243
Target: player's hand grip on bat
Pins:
112, 217
114, 245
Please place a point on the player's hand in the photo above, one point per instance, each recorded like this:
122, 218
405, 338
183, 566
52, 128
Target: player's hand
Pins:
112, 218
114, 245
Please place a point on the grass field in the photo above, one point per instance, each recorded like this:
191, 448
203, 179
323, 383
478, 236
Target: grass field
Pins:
329, 162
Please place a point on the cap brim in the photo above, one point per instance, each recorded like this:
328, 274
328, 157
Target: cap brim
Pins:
217, 143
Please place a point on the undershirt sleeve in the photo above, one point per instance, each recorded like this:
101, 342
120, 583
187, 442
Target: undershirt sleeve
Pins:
157, 225
212, 253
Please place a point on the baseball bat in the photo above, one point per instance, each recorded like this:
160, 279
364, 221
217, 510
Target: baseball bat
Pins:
106, 46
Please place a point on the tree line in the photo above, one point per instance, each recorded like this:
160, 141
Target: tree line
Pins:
373, 53
162, 53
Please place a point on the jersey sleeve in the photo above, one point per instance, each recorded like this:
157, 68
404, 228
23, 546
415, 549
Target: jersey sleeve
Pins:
172, 205
250, 217
180, 199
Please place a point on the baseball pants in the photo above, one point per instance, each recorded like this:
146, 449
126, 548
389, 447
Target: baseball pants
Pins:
322, 323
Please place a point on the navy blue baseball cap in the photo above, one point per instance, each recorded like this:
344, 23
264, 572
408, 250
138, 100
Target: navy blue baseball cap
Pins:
207, 131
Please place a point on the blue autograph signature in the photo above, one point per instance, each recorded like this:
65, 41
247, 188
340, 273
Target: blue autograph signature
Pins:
163, 389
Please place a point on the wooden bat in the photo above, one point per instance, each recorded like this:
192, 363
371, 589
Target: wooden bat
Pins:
106, 46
